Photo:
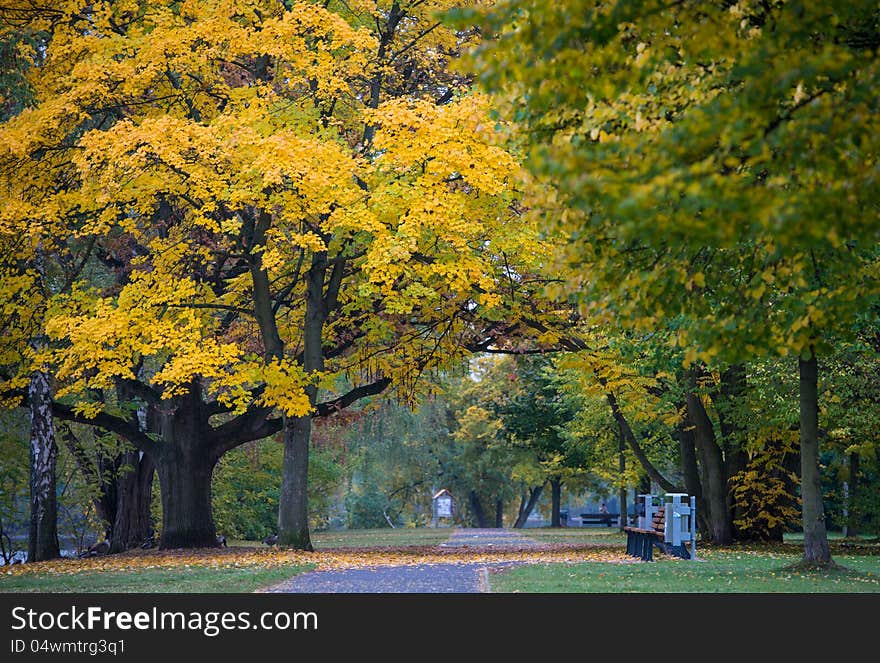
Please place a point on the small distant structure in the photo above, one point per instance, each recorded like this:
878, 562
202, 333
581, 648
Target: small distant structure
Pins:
443, 506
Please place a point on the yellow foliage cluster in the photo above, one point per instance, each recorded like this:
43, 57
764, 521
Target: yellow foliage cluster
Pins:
763, 491
174, 151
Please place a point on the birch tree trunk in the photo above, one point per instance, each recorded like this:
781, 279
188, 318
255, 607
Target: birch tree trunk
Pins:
43, 531
43, 534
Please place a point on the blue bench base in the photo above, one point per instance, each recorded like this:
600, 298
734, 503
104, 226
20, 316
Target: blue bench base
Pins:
641, 545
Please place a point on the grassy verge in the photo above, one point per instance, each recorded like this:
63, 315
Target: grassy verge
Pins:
717, 571
798, 537
183, 580
576, 535
400, 537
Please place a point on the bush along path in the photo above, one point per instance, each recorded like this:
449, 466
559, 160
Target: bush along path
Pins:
458, 577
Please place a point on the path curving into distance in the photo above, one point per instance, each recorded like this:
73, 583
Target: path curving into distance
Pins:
416, 578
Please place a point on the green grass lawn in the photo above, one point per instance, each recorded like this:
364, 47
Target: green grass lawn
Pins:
798, 537
401, 536
576, 535
716, 571
184, 580
370, 538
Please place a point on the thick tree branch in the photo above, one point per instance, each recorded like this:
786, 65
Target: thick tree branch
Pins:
217, 307
140, 440
330, 407
141, 390
634, 445
332, 294
254, 424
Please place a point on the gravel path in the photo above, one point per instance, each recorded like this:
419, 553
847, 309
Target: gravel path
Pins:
489, 538
418, 578
422, 579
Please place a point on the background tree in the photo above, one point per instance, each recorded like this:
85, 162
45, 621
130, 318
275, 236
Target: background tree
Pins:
536, 414
700, 139
25, 287
120, 481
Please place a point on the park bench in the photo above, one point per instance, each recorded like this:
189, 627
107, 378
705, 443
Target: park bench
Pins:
669, 526
599, 518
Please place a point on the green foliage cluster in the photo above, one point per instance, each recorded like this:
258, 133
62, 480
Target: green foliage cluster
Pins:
366, 506
245, 489
14, 489
714, 170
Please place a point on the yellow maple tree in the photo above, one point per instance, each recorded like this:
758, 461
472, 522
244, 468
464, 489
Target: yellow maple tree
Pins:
257, 213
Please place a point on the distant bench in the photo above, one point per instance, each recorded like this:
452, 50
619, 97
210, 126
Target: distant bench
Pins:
599, 518
640, 541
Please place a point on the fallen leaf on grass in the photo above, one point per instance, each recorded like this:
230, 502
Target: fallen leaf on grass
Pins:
230, 558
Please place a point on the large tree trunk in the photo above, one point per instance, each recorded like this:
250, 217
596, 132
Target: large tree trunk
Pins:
187, 520
555, 500
499, 513
733, 387
816, 550
293, 504
43, 531
185, 454
43, 534
714, 479
122, 496
690, 471
293, 513
526, 510
132, 524
293, 522
185, 462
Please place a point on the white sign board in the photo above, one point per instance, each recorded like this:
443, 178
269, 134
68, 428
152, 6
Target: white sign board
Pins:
443, 507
